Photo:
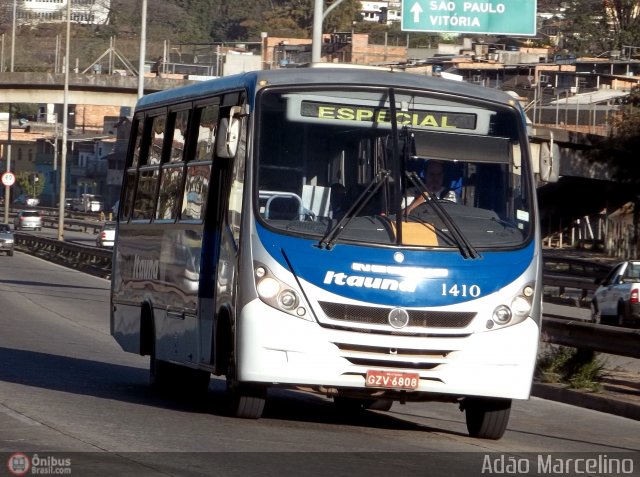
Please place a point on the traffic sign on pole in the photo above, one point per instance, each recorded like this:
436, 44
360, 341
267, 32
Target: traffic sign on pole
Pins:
8, 179
501, 17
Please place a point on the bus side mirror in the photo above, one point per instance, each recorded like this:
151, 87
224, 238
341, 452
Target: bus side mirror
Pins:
229, 134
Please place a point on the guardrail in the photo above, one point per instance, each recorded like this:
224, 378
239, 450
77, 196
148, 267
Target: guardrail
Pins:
83, 225
74, 220
94, 260
602, 338
556, 329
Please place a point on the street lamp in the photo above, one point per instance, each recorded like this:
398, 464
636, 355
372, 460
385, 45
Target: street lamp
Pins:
7, 189
143, 47
54, 180
318, 16
65, 114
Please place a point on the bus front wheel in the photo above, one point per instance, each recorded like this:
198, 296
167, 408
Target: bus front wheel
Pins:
486, 418
247, 400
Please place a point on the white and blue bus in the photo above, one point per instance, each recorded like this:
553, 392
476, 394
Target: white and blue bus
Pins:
264, 235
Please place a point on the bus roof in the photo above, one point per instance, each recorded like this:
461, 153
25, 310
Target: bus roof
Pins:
338, 76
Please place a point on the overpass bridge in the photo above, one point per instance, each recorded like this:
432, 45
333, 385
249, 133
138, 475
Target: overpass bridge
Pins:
99, 90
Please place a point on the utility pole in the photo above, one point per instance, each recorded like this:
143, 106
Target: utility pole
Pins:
143, 48
7, 189
319, 15
65, 115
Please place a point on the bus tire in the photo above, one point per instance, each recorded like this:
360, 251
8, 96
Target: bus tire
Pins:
247, 401
487, 418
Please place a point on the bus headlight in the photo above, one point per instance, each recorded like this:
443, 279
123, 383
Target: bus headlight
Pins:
267, 288
288, 299
277, 294
517, 311
501, 315
520, 306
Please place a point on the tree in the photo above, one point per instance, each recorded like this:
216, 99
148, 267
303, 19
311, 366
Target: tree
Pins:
624, 15
30, 183
584, 29
342, 18
292, 18
596, 26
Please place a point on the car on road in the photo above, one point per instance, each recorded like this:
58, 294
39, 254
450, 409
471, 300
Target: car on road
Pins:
107, 235
28, 201
6, 239
28, 219
617, 298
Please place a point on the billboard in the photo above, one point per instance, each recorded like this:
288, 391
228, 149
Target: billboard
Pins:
503, 17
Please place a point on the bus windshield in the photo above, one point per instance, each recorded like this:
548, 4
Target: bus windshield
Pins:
392, 167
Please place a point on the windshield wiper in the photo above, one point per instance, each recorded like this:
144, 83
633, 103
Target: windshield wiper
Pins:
466, 249
332, 235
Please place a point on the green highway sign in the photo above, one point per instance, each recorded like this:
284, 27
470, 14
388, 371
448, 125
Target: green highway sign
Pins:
502, 17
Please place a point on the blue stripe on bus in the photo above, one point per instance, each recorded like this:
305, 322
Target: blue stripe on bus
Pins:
333, 270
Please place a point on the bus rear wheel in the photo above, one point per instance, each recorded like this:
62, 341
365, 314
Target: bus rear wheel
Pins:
487, 418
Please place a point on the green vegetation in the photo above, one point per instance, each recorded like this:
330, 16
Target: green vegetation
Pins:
576, 368
585, 27
30, 183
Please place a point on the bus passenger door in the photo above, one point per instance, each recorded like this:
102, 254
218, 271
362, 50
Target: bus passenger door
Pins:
222, 231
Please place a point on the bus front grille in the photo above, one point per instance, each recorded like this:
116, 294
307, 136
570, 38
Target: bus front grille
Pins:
379, 316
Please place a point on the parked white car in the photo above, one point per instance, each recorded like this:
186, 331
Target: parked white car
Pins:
107, 235
617, 299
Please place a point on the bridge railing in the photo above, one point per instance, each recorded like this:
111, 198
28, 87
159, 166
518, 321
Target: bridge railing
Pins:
557, 328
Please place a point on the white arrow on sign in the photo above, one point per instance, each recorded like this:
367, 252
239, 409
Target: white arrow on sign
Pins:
416, 10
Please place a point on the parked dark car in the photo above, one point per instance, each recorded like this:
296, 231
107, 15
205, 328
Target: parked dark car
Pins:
617, 299
6, 239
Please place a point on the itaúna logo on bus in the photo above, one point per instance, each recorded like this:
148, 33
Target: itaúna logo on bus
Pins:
405, 279
145, 269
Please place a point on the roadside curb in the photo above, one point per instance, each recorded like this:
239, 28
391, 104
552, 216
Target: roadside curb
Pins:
589, 400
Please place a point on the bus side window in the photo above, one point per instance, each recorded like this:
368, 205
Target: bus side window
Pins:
157, 140
180, 124
139, 125
130, 189
196, 189
207, 132
144, 204
170, 188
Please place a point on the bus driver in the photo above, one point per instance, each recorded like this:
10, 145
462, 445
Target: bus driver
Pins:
433, 180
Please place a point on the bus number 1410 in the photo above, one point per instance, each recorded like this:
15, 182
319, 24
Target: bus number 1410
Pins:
461, 290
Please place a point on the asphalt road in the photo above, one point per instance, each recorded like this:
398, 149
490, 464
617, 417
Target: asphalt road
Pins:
67, 390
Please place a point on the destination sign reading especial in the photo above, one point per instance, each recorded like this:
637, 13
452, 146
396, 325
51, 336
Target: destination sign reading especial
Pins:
515, 17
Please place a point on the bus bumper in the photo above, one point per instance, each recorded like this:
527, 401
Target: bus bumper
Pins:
281, 349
